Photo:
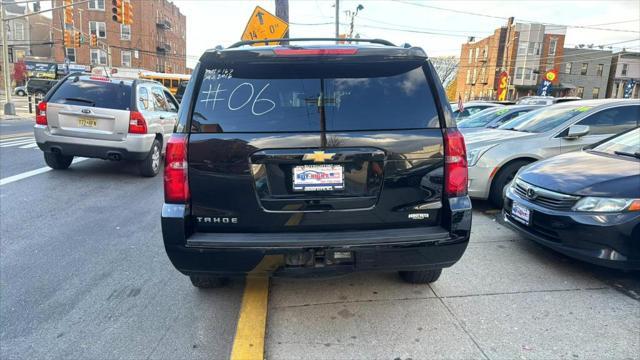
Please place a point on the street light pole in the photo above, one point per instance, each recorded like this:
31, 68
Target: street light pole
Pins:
337, 21
9, 107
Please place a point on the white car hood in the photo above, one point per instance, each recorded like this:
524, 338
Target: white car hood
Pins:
483, 136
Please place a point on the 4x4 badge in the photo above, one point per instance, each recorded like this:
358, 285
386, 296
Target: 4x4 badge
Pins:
318, 156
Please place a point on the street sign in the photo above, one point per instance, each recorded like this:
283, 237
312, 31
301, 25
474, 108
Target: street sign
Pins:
264, 25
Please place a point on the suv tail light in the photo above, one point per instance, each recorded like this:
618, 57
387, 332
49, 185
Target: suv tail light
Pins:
344, 51
41, 113
137, 123
456, 174
176, 184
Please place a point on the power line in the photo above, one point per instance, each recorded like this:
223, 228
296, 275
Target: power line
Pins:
506, 18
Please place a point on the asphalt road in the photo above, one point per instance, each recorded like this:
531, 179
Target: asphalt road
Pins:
83, 275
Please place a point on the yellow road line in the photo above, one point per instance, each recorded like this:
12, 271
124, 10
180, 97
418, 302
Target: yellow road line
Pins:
248, 343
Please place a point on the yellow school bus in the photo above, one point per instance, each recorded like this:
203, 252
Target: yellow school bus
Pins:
170, 81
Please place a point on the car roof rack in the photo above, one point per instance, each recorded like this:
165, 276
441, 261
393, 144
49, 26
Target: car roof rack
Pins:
267, 41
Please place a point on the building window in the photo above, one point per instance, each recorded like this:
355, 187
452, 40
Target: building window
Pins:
96, 5
534, 48
527, 74
470, 55
477, 52
475, 76
579, 91
552, 46
125, 32
624, 69
595, 93
519, 73
98, 28
584, 68
567, 68
71, 54
522, 47
468, 76
98, 57
19, 31
125, 58
600, 69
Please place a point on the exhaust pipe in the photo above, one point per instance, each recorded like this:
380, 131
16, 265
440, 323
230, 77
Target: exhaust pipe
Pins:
113, 156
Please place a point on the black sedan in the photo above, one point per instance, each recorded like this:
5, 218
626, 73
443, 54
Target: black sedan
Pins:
583, 204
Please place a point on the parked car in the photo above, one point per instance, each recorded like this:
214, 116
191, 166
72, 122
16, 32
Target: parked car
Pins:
495, 116
584, 204
545, 100
471, 108
495, 155
293, 165
20, 91
40, 87
105, 118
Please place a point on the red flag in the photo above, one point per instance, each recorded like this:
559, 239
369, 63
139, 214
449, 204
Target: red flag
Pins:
460, 104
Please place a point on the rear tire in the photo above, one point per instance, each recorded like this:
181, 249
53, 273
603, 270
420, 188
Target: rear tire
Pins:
57, 161
207, 282
421, 277
502, 179
150, 166
21, 93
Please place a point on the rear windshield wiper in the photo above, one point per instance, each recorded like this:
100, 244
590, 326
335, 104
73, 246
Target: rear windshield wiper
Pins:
624, 153
86, 101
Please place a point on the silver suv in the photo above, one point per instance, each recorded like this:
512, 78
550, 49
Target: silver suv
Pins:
105, 118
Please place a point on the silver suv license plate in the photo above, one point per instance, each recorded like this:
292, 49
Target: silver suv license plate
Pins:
318, 178
521, 213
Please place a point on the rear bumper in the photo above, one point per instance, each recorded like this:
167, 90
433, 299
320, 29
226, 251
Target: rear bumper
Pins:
607, 239
480, 181
134, 147
313, 253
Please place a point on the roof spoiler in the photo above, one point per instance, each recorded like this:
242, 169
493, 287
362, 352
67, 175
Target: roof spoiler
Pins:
267, 41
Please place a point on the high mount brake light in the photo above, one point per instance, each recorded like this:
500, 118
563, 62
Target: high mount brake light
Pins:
286, 51
456, 175
176, 181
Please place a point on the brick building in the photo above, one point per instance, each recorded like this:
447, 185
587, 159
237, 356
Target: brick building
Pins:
156, 41
522, 50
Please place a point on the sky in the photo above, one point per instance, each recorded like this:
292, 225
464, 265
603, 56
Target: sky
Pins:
419, 23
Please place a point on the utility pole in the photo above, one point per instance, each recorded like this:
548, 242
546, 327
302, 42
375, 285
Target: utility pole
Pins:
337, 21
9, 108
282, 11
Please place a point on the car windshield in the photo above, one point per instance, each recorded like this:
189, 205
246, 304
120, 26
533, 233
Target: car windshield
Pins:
482, 118
545, 119
625, 144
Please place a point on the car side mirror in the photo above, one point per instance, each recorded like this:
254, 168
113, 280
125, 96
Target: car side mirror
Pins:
577, 131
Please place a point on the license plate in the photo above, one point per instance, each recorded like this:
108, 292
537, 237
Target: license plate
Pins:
521, 213
84, 122
318, 178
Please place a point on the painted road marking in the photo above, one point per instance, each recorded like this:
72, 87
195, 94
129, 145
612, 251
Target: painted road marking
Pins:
13, 136
17, 143
29, 146
28, 174
249, 340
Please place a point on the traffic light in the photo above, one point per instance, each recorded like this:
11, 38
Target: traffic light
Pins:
118, 11
77, 39
68, 12
67, 39
128, 13
94, 40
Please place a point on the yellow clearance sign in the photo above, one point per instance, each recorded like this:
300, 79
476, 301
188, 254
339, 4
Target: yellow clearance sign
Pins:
264, 25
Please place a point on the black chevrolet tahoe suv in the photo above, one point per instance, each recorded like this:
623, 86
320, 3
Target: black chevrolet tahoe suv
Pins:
313, 160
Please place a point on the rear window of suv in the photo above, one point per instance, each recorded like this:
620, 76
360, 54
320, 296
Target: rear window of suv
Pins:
95, 93
242, 98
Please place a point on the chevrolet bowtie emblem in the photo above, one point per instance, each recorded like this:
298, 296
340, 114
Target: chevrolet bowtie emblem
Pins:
318, 156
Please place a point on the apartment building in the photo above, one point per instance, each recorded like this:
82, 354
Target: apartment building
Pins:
156, 41
523, 50
584, 73
625, 74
